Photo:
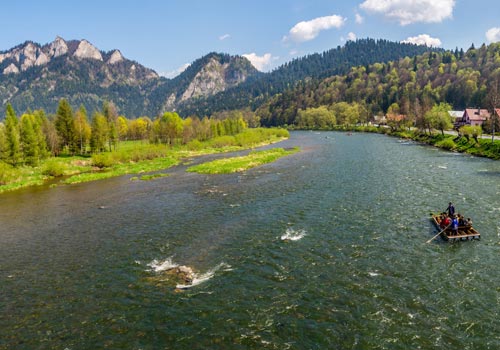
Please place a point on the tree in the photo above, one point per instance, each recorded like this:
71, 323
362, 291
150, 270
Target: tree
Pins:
122, 127
168, 128
494, 103
29, 141
82, 129
316, 118
110, 112
65, 126
12, 137
100, 133
439, 118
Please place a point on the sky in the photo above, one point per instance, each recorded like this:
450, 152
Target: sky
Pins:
168, 35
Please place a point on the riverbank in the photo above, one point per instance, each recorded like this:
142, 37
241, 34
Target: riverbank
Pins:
480, 147
131, 157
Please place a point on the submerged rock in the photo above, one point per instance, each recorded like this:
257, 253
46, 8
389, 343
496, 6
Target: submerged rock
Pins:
177, 275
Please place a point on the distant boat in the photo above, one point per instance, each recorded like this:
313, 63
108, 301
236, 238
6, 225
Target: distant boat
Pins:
465, 233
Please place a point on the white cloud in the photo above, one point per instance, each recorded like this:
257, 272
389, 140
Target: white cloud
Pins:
308, 30
493, 35
351, 36
423, 39
411, 11
359, 19
176, 72
260, 62
224, 37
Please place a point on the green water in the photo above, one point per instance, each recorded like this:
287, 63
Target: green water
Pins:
78, 263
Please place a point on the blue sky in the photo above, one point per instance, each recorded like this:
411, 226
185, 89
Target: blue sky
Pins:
168, 35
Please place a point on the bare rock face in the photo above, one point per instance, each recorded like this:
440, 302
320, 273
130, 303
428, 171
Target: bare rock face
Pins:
87, 50
42, 59
11, 69
58, 47
116, 57
208, 81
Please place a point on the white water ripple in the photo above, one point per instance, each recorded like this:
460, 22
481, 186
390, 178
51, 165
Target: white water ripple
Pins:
293, 235
199, 278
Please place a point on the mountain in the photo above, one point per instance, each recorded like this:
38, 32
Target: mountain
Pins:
36, 76
337, 61
411, 86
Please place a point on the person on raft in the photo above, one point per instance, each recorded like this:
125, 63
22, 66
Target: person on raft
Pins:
450, 210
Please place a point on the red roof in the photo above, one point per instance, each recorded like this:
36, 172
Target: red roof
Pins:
497, 111
477, 114
395, 117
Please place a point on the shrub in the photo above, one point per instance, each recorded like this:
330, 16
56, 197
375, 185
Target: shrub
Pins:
6, 173
102, 160
194, 145
223, 141
53, 167
446, 143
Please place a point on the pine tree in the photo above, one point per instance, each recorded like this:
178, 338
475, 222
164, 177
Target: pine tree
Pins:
29, 140
12, 137
65, 126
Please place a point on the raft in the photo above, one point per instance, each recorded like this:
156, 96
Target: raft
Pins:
465, 233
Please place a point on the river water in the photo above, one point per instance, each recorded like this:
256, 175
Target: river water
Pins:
323, 249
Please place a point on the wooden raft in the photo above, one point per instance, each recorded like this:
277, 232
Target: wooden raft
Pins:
465, 233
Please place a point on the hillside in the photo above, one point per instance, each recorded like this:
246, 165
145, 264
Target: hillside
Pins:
34, 76
257, 89
411, 85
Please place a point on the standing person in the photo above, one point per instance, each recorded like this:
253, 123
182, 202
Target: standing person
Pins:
454, 225
450, 209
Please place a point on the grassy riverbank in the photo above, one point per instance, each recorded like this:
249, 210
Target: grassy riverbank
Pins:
480, 147
131, 157
239, 164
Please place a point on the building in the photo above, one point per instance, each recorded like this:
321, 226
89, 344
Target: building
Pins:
456, 116
474, 117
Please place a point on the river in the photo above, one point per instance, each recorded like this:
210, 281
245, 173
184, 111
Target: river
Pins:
323, 249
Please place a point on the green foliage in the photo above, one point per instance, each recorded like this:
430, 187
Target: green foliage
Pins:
438, 117
65, 126
446, 143
407, 86
238, 164
53, 167
223, 141
316, 118
12, 152
102, 160
168, 128
7, 173
99, 133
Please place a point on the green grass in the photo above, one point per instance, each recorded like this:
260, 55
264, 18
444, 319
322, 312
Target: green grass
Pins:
238, 164
130, 157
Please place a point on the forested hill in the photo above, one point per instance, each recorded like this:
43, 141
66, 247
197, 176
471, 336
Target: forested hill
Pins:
258, 88
409, 86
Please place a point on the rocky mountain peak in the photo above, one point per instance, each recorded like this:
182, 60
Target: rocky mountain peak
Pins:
58, 47
87, 50
116, 57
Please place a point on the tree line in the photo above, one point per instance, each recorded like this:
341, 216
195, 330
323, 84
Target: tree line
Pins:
409, 86
34, 136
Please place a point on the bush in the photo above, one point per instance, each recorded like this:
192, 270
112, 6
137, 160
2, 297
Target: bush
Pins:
53, 167
194, 145
446, 143
223, 141
103, 160
7, 173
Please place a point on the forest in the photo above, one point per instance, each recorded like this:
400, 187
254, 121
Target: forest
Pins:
409, 86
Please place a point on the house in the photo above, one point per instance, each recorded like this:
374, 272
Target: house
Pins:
456, 116
474, 117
